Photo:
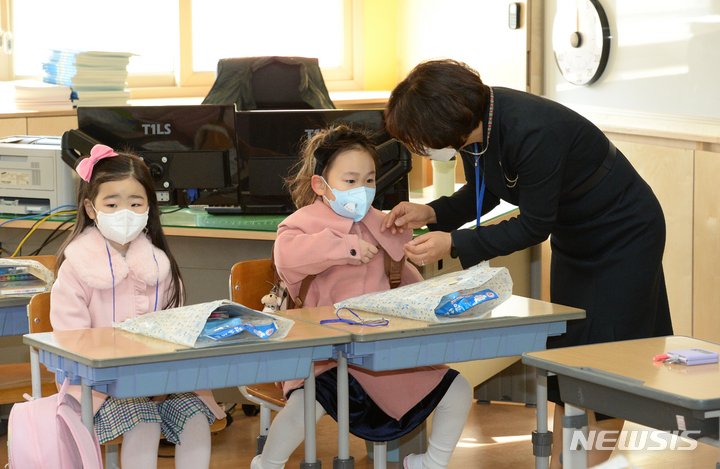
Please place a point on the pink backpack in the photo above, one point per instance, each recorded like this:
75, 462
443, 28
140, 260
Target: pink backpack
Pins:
48, 433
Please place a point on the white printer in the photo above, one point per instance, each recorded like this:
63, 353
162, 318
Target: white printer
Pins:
33, 176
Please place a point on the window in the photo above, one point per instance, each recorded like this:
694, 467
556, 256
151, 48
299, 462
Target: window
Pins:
178, 42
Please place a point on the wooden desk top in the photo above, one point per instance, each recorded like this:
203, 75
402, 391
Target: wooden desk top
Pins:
629, 365
106, 347
516, 311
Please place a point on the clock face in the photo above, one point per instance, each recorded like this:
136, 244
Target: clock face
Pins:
581, 40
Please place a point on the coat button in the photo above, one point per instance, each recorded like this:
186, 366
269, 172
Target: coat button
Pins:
352, 252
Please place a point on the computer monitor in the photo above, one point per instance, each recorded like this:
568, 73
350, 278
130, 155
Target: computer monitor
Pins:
190, 149
269, 142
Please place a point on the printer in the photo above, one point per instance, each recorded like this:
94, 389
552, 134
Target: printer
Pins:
33, 177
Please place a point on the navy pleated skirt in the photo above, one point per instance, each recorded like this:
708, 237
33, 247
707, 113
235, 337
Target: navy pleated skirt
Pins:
367, 420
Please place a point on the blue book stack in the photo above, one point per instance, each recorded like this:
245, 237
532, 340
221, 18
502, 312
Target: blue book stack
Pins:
97, 78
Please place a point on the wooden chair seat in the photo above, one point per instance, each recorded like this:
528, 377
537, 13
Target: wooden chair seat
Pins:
267, 392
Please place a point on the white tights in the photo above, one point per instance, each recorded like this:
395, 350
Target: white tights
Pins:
287, 429
286, 432
140, 445
448, 423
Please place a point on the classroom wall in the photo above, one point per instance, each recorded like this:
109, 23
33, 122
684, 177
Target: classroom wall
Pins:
472, 31
380, 20
664, 58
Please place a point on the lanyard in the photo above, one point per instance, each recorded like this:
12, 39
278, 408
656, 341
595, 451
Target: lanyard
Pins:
479, 188
112, 274
356, 320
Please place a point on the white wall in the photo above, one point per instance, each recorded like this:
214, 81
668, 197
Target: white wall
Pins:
664, 58
472, 31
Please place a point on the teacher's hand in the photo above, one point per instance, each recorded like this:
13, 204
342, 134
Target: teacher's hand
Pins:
406, 216
429, 247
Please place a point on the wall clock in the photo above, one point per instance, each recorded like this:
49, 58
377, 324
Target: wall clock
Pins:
581, 40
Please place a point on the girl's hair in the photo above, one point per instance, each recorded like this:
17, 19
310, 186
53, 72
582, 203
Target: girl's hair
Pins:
116, 168
317, 156
437, 105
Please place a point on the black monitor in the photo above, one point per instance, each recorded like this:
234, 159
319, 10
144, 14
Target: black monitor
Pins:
189, 149
269, 142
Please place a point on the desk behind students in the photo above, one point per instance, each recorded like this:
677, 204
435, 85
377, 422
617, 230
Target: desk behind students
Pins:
621, 379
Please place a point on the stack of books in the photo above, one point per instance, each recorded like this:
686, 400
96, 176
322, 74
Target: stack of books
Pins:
97, 78
32, 95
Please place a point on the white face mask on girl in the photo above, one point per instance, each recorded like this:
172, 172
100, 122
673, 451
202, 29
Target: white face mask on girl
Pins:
122, 226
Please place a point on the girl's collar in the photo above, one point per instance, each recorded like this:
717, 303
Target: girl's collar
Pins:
86, 252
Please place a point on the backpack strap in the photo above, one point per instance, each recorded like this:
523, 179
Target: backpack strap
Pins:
298, 301
304, 288
87, 444
393, 269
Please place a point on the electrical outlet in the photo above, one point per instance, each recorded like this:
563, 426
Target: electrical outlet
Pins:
163, 196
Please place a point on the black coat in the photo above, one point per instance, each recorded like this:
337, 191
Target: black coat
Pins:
607, 243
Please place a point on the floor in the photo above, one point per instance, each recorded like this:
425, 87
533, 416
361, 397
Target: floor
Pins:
496, 436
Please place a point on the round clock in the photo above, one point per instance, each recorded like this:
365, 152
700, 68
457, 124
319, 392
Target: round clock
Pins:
581, 40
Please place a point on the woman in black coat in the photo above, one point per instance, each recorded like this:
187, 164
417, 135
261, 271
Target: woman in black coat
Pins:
606, 227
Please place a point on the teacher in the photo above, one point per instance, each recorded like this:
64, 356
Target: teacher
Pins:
606, 227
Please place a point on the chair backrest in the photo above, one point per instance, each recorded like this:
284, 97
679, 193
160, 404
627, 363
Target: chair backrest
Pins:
39, 306
277, 86
270, 82
250, 281
46, 260
39, 313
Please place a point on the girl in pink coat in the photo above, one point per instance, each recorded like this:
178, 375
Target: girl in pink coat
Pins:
335, 234
114, 265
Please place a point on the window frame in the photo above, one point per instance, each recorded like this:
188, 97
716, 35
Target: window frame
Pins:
185, 82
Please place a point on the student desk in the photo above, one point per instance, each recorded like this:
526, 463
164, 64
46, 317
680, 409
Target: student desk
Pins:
621, 379
124, 364
13, 316
518, 325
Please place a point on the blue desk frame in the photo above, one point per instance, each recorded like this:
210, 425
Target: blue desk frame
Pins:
517, 326
13, 316
160, 367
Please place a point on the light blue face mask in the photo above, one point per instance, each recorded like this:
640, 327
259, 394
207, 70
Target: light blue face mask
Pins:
353, 204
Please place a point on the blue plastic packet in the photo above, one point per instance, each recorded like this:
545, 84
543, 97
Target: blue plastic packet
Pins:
221, 329
455, 303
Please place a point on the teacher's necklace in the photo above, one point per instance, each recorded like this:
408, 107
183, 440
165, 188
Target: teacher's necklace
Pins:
510, 182
475, 153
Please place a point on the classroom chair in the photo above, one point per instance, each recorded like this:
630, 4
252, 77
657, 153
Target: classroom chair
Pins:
270, 82
39, 316
16, 378
249, 282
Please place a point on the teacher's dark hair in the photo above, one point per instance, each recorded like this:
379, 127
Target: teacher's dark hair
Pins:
437, 105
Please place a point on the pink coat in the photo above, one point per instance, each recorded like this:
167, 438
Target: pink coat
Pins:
315, 240
82, 295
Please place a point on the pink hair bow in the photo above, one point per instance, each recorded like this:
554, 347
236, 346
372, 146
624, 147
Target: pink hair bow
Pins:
98, 152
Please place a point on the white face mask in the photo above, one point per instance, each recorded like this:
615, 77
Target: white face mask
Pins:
443, 154
122, 226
